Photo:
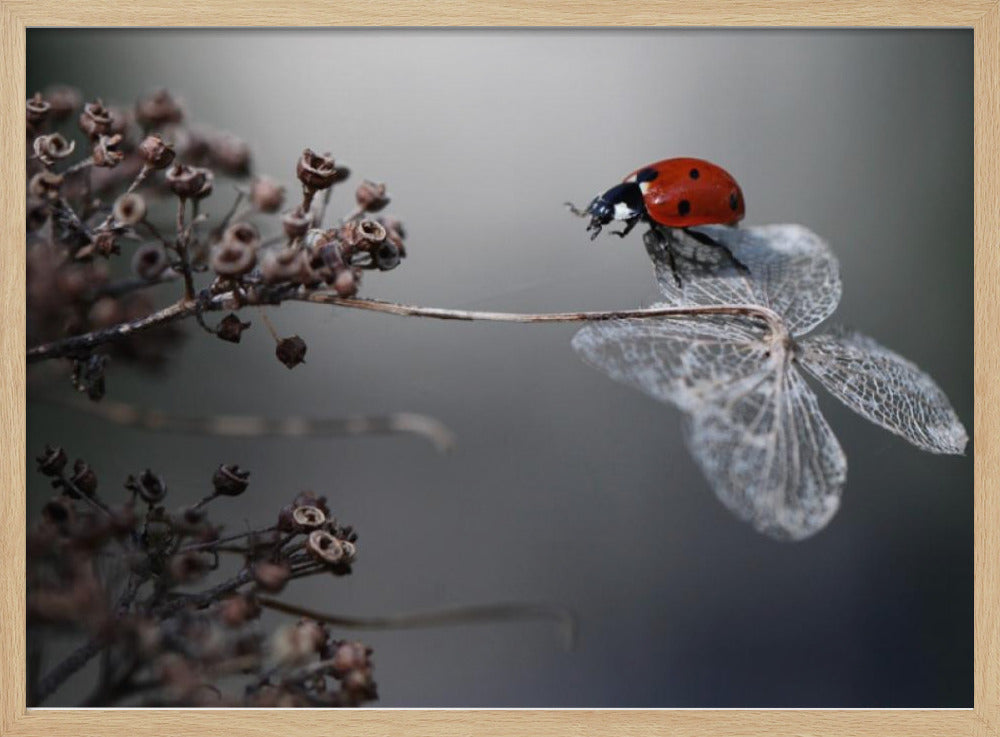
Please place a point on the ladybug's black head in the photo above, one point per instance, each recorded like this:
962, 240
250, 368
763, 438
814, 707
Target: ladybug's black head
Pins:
621, 202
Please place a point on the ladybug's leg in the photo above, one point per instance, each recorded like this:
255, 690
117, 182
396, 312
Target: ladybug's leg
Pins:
709, 241
629, 224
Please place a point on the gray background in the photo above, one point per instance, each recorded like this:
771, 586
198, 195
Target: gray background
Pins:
566, 487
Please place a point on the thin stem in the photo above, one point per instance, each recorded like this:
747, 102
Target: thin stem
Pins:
228, 300
445, 617
180, 246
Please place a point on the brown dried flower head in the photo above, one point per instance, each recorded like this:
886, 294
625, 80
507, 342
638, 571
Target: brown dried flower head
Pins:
325, 547
156, 152
308, 517
53, 147
130, 209
318, 171
230, 153
270, 576
266, 195
95, 120
291, 351
230, 480
286, 264
371, 196
105, 151
158, 109
230, 328
149, 261
37, 108
45, 185
187, 181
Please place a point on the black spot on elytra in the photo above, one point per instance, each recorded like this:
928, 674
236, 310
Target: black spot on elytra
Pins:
683, 207
734, 202
694, 173
647, 175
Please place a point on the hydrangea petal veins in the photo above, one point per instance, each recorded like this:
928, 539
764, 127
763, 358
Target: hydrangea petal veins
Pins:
753, 424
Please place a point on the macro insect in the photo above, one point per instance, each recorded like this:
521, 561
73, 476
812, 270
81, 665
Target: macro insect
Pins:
679, 194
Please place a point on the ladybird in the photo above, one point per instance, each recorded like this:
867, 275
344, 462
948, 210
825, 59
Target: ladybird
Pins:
673, 193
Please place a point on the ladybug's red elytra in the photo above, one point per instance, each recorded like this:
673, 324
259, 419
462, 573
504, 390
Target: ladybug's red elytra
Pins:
674, 193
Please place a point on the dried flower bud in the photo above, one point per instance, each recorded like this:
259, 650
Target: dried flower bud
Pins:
103, 244
271, 577
95, 120
348, 656
83, 479
364, 235
158, 109
386, 256
296, 643
323, 546
229, 480
232, 259
291, 351
38, 108
130, 209
150, 487
350, 550
308, 517
149, 262
50, 149
345, 283
266, 195
45, 185
189, 181
231, 328
371, 196
242, 233
317, 171
230, 154
105, 151
188, 567
238, 609
296, 223
156, 152
52, 461
64, 101
288, 264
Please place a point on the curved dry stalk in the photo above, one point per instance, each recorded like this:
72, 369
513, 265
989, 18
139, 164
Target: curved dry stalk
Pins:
564, 619
246, 426
81, 344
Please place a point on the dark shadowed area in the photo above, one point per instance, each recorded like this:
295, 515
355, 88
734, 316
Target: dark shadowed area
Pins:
564, 486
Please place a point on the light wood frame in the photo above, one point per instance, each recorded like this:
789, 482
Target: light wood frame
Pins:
983, 16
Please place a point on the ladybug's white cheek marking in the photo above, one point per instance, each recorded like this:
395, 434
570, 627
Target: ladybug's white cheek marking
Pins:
623, 211
643, 187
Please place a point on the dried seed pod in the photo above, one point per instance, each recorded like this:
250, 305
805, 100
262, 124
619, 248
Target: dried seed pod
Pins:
186, 181
83, 479
350, 550
230, 480
188, 567
323, 546
348, 656
371, 196
318, 171
156, 152
38, 108
308, 517
149, 262
95, 120
149, 486
45, 185
232, 259
291, 351
52, 461
50, 149
386, 256
271, 577
346, 282
231, 328
105, 151
158, 109
242, 233
230, 154
296, 223
266, 195
130, 209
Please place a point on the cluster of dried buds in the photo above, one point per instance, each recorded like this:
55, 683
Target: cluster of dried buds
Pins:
171, 635
110, 200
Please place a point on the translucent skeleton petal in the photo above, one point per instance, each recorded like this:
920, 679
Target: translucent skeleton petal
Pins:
885, 388
791, 270
754, 426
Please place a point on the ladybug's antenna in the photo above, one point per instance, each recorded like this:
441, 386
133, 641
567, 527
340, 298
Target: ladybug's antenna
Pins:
576, 211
